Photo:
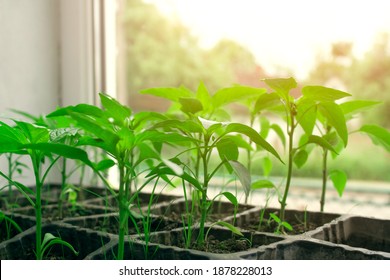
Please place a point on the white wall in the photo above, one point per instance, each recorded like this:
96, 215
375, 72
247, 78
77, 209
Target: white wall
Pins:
29, 55
46, 56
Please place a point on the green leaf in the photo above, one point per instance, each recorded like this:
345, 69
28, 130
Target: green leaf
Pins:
253, 136
94, 126
227, 149
22, 188
233, 94
190, 105
335, 118
267, 101
203, 95
10, 139
262, 184
140, 118
173, 94
84, 109
174, 167
59, 134
321, 141
282, 86
104, 164
264, 127
323, 94
275, 218
188, 126
163, 170
9, 220
230, 197
50, 240
279, 132
61, 150
230, 227
300, 158
307, 114
339, 179
287, 225
116, 110
379, 135
267, 166
34, 133
242, 174
350, 108
239, 141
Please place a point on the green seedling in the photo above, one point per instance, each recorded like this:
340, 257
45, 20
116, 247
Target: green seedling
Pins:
35, 142
329, 132
281, 225
49, 241
9, 223
126, 138
302, 111
15, 166
208, 136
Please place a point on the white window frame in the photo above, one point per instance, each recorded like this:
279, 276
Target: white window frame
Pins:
88, 50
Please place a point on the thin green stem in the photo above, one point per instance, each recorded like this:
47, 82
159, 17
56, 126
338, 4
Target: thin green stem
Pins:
10, 175
203, 204
324, 178
290, 167
38, 206
63, 185
123, 221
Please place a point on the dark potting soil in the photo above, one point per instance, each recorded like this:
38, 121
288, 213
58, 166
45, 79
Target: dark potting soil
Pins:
228, 246
7, 232
112, 226
52, 212
272, 227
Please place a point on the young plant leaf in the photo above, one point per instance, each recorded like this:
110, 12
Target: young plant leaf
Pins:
275, 218
84, 109
352, 107
379, 135
323, 94
231, 198
300, 158
335, 118
253, 136
190, 105
262, 184
61, 150
233, 94
116, 110
242, 174
307, 114
173, 94
50, 240
321, 142
104, 164
203, 95
227, 149
339, 179
230, 227
93, 126
267, 101
282, 86
267, 166
279, 132
264, 127
174, 167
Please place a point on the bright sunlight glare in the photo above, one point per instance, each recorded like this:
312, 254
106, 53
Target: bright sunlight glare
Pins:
283, 34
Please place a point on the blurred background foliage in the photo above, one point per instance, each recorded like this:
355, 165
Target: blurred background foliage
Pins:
162, 52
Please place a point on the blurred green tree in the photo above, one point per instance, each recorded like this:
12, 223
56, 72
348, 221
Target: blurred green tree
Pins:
162, 52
